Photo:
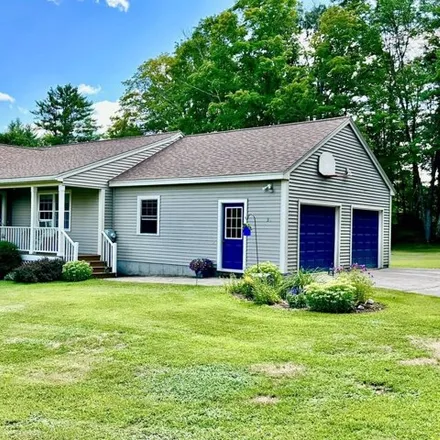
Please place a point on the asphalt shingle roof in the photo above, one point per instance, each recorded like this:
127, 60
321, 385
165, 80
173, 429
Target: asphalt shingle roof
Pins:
270, 149
20, 162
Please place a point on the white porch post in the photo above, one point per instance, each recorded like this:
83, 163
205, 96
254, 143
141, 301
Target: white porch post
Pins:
4, 216
61, 212
33, 218
101, 218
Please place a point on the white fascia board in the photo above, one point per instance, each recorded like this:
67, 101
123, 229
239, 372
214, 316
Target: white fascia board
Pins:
198, 180
111, 159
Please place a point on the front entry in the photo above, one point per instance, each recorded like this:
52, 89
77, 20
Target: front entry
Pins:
233, 242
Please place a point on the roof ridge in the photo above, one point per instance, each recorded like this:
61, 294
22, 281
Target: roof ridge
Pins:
286, 124
169, 133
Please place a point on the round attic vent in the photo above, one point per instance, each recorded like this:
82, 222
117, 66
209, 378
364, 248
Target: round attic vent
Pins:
327, 165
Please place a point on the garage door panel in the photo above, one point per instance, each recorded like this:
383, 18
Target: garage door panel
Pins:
317, 237
365, 240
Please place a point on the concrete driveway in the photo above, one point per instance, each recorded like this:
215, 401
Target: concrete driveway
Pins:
424, 281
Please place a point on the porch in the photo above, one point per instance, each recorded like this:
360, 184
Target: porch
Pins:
30, 218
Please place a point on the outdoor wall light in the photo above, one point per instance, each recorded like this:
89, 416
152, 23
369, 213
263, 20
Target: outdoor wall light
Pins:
268, 188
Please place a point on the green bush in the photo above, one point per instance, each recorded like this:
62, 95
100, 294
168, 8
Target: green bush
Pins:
10, 258
244, 286
265, 292
298, 301
77, 271
295, 284
266, 270
332, 297
40, 271
360, 279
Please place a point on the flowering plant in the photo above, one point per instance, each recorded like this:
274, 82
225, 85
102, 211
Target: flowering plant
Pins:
202, 266
360, 278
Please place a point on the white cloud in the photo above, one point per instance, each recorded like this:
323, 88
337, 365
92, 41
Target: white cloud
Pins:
122, 5
55, 2
4, 97
103, 112
85, 89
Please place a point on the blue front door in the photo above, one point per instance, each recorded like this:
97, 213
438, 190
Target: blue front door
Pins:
365, 244
317, 237
233, 246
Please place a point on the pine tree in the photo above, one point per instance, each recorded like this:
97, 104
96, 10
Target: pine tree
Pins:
66, 116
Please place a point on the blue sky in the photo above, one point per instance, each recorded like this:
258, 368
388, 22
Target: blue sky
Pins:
93, 43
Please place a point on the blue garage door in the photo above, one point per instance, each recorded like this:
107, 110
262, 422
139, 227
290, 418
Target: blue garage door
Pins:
365, 245
317, 237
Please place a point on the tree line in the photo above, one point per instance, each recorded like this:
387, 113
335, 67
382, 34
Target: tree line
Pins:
269, 61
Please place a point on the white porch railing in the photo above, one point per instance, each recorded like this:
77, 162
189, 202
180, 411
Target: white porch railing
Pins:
70, 248
17, 235
45, 241
109, 252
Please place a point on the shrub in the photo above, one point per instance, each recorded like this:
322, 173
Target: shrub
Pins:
202, 266
10, 258
268, 270
359, 277
332, 297
244, 286
77, 271
295, 284
40, 271
265, 292
297, 301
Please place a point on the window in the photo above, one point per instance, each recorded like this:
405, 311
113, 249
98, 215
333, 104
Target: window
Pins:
234, 223
148, 215
48, 210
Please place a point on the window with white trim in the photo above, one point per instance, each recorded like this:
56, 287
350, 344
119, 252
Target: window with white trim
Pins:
148, 213
234, 223
48, 211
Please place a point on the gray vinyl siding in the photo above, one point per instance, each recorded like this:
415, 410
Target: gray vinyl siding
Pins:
189, 222
108, 219
100, 176
84, 220
364, 187
19, 207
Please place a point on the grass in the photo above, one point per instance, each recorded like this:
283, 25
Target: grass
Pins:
103, 360
416, 256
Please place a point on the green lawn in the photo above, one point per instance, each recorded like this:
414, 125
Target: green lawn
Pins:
105, 360
416, 256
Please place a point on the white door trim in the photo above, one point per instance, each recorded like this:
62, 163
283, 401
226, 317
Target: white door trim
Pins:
338, 215
380, 250
220, 224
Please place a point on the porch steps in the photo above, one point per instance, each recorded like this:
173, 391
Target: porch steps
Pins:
100, 269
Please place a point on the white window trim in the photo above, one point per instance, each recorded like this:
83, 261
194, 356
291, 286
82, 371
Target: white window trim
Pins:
380, 250
338, 209
220, 226
140, 199
55, 193
224, 226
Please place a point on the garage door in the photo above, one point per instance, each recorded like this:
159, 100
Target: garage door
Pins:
317, 237
365, 244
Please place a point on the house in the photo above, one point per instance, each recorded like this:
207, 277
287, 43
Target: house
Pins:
313, 193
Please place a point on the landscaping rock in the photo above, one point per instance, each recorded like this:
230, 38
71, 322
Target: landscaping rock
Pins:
370, 302
360, 307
